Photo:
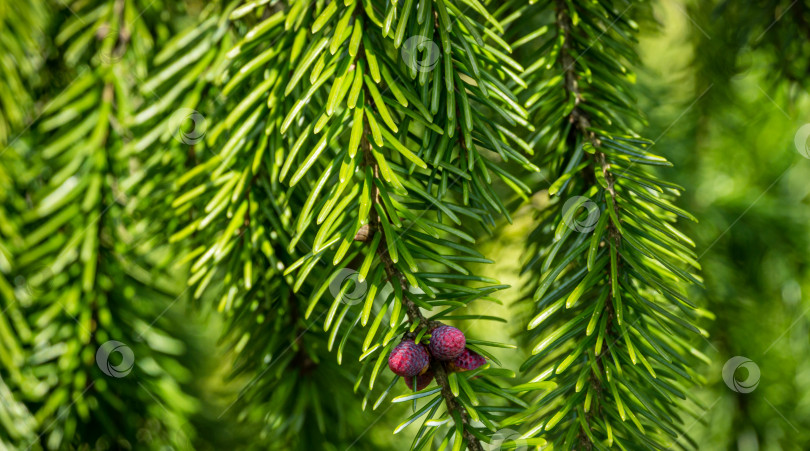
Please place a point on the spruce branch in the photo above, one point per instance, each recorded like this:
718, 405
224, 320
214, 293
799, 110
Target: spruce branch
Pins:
611, 318
374, 147
582, 124
344, 194
239, 231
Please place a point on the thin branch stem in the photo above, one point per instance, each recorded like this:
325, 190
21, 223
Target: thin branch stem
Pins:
415, 316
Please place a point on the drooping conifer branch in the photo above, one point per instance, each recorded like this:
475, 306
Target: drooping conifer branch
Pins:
581, 126
94, 287
607, 262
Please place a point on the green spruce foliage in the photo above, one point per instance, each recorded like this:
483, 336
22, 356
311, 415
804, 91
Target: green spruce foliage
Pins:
91, 277
321, 174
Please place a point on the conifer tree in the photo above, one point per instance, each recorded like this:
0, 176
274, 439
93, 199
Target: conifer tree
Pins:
321, 173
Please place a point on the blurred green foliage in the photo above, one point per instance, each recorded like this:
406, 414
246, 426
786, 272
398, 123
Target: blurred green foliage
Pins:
727, 91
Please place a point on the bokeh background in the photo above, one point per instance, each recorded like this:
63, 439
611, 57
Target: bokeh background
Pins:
725, 90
